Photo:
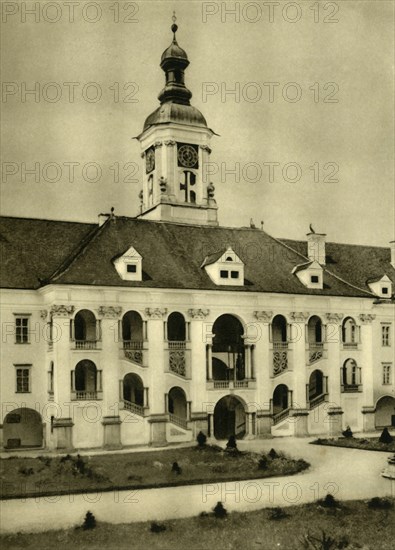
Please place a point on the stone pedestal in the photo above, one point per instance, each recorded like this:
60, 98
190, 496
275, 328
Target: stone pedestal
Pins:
299, 419
63, 429
158, 429
263, 423
335, 424
368, 419
112, 432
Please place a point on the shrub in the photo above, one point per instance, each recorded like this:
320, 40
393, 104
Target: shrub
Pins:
347, 432
385, 436
176, 469
201, 439
329, 501
219, 510
262, 464
89, 521
272, 454
324, 542
231, 444
45, 460
157, 527
26, 471
380, 503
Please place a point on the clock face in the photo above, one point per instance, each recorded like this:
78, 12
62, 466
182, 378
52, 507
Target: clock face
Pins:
150, 160
187, 156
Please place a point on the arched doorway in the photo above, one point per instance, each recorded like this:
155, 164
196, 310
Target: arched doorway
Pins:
23, 428
86, 380
176, 327
132, 327
177, 403
133, 389
385, 412
280, 399
316, 384
229, 418
228, 348
85, 326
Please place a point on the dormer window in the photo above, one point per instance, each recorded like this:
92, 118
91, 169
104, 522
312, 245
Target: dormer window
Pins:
381, 286
129, 265
220, 272
310, 274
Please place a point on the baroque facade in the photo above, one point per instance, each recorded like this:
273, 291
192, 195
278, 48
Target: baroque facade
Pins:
150, 329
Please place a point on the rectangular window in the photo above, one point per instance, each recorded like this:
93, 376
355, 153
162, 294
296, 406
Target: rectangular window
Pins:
131, 268
384, 290
386, 373
315, 279
385, 335
22, 330
234, 274
224, 274
23, 378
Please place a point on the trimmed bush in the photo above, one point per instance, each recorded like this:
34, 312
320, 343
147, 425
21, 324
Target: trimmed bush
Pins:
347, 432
278, 513
219, 510
201, 439
263, 462
157, 527
89, 521
329, 502
385, 436
176, 468
272, 454
231, 444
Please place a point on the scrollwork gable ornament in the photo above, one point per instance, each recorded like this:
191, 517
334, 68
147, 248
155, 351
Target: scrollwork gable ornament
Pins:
367, 318
334, 317
263, 316
110, 312
299, 316
198, 313
155, 312
61, 310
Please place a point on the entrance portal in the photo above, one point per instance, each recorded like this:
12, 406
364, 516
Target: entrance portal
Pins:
229, 418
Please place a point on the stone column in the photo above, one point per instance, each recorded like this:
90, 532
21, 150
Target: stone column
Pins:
198, 359
333, 345
63, 407
298, 358
110, 375
158, 416
367, 364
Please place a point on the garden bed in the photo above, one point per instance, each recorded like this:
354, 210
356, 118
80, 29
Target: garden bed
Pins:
365, 444
353, 525
46, 475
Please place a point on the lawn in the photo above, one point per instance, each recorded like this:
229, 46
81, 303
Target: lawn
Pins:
366, 444
353, 525
48, 475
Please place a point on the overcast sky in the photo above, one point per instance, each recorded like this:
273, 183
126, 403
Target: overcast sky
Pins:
328, 124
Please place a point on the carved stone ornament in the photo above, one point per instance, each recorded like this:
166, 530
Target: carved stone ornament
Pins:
210, 191
111, 312
206, 148
367, 318
299, 316
62, 311
158, 144
155, 312
43, 314
170, 143
334, 317
198, 313
264, 316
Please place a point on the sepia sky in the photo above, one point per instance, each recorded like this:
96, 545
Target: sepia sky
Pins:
312, 92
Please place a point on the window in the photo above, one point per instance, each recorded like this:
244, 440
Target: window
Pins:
314, 279
22, 330
234, 274
224, 274
384, 290
386, 373
131, 268
23, 378
385, 335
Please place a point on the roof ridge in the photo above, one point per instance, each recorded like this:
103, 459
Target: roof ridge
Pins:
46, 220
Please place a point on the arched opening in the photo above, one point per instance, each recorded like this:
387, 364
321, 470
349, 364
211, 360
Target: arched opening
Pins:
350, 375
280, 399
385, 412
86, 380
314, 330
133, 389
349, 332
279, 329
23, 428
228, 348
177, 403
85, 327
229, 418
316, 385
176, 327
132, 327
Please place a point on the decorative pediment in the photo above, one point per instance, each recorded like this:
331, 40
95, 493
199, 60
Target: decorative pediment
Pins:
381, 286
129, 265
224, 268
310, 274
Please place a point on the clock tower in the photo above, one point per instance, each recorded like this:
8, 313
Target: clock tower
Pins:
175, 150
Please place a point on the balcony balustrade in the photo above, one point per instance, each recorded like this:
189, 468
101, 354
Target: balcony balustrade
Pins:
133, 407
86, 395
86, 344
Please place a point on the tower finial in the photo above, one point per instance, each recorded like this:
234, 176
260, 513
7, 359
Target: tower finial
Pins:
174, 27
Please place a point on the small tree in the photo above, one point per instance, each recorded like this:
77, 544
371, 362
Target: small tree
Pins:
89, 521
219, 510
262, 464
231, 444
272, 454
201, 439
176, 468
347, 432
385, 436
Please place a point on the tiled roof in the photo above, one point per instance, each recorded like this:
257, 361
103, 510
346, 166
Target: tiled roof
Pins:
38, 252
